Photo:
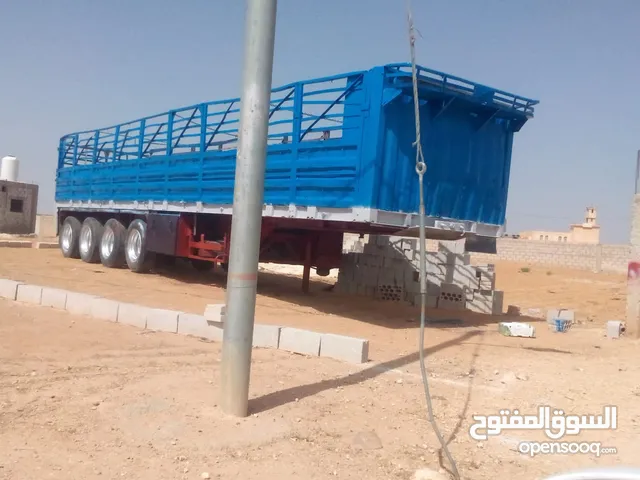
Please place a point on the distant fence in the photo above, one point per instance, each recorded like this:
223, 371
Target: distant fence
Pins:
598, 258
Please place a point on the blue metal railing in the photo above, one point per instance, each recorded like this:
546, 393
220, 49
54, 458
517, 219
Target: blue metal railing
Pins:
456, 86
311, 110
302, 111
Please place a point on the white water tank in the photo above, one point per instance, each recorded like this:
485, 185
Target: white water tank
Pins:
9, 168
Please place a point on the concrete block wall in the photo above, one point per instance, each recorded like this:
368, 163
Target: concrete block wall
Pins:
387, 268
607, 258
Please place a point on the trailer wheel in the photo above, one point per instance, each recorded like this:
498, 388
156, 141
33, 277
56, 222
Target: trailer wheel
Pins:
112, 244
69, 237
138, 258
90, 236
202, 265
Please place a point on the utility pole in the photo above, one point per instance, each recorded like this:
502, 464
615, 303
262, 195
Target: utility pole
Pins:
248, 196
633, 271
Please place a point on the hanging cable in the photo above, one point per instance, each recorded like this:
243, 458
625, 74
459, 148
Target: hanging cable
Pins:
421, 168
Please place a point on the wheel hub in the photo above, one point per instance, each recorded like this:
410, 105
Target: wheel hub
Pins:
134, 245
108, 243
86, 238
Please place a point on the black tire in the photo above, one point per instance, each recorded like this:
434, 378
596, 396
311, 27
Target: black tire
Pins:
89, 242
202, 265
225, 267
139, 259
112, 244
69, 237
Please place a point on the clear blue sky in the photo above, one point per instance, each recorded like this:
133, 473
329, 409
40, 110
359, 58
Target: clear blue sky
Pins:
69, 65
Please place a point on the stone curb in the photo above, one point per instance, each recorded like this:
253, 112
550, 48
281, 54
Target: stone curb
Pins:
305, 342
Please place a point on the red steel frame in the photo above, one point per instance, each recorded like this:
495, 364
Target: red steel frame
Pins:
310, 243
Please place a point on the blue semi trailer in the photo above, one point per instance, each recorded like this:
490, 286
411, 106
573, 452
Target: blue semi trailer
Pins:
340, 159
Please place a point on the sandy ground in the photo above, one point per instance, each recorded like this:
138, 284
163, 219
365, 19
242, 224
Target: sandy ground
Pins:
86, 399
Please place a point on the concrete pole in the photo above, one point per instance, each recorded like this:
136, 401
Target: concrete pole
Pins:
247, 206
633, 272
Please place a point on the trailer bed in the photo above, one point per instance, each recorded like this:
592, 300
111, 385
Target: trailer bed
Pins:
340, 150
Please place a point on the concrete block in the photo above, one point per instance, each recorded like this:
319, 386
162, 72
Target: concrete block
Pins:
16, 243
162, 320
432, 301
266, 336
215, 312
8, 289
482, 302
452, 297
134, 315
198, 326
561, 313
105, 309
489, 302
54, 297
29, 294
433, 289
614, 328
46, 245
452, 246
299, 341
79, 303
498, 302
347, 349
462, 275
46, 226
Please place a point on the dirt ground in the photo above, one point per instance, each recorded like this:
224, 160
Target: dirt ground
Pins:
86, 399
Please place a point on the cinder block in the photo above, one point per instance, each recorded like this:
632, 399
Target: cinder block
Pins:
105, 309
432, 300
134, 315
29, 294
8, 289
45, 245
197, 326
299, 341
498, 302
452, 246
54, 297
266, 336
79, 303
162, 320
452, 297
215, 312
461, 275
482, 302
16, 243
347, 349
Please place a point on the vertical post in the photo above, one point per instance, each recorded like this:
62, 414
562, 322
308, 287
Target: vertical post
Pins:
247, 206
633, 270
306, 273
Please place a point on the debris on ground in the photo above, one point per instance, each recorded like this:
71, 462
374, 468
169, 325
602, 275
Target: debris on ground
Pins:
516, 329
615, 328
367, 440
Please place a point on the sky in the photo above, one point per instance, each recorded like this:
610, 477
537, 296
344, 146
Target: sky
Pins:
70, 65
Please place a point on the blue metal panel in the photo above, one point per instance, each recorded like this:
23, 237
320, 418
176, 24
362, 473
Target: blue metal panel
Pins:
341, 141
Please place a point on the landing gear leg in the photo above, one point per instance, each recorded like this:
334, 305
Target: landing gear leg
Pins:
307, 267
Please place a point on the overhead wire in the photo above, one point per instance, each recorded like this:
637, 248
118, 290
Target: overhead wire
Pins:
421, 168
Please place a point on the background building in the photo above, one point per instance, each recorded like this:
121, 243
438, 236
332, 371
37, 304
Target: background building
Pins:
586, 232
18, 201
